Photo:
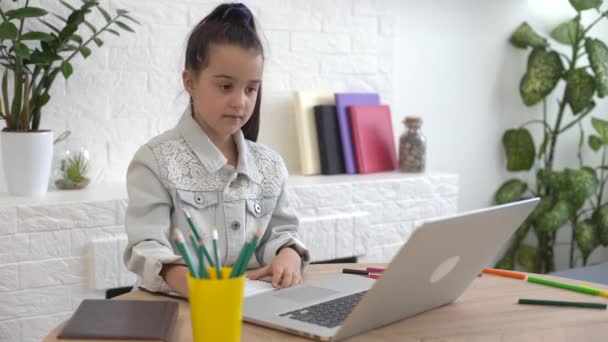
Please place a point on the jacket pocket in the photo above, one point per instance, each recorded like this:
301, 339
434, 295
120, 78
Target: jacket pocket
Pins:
198, 199
259, 207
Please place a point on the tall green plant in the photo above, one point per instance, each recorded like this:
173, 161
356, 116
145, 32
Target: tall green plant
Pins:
36, 58
572, 196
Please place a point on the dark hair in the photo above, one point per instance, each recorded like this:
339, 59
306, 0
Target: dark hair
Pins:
227, 24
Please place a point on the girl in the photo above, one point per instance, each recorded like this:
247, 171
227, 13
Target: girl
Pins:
210, 165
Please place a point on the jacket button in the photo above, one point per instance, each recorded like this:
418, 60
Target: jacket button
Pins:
198, 199
257, 208
235, 225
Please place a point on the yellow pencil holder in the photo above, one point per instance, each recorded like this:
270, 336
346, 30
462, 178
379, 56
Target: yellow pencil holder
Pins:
216, 307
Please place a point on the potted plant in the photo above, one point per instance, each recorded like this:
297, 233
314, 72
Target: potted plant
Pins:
32, 61
572, 196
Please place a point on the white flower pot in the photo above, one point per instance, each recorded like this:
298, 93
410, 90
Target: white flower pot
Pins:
26, 159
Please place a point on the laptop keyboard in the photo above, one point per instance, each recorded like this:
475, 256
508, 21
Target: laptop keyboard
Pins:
328, 314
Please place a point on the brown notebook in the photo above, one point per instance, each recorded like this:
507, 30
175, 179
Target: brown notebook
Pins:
121, 320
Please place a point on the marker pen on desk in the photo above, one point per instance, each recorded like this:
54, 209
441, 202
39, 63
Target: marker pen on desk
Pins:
353, 271
374, 269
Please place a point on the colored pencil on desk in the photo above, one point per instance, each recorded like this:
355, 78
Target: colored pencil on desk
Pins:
603, 293
216, 255
178, 237
374, 269
504, 273
562, 303
197, 236
249, 253
575, 288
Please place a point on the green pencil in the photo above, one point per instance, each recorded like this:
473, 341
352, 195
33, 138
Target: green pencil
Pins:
216, 254
202, 271
562, 303
178, 237
191, 224
575, 288
250, 250
239, 260
197, 236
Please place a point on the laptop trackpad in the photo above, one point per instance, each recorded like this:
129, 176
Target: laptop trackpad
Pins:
305, 293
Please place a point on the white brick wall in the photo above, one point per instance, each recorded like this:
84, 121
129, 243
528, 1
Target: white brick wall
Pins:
56, 251
134, 80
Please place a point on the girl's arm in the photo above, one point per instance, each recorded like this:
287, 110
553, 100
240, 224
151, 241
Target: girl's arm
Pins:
148, 223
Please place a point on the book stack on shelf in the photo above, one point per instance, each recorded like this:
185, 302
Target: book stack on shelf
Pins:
342, 133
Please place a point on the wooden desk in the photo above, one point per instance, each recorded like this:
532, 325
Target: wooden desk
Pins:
487, 311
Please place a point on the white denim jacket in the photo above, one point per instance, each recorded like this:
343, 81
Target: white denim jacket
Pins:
182, 168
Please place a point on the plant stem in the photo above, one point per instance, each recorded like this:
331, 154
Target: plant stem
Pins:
572, 241
578, 119
27, 3
593, 24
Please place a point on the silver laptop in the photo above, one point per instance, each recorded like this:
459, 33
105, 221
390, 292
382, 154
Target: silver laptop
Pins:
439, 261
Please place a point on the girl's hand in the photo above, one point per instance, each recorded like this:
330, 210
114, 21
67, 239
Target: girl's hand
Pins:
284, 269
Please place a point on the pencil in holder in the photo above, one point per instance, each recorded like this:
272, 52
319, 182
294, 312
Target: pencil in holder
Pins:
216, 306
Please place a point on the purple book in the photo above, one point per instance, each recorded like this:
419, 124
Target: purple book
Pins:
343, 101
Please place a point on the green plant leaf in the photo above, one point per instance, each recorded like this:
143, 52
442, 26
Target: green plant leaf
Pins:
85, 51
579, 90
553, 219
67, 5
98, 42
66, 69
524, 36
595, 142
8, 30
526, 256
510, 191
568, 32
90, 26
104, 13
545, 69
76, 18
598, 58
581, 5
519, 148
21, 50
51, 26
545, 204
26, 12
131, 18
42, 100
38, 36
76, 38
601, 127
122, 11
600, 217
585, 234
113, 32
124, 26
577, 186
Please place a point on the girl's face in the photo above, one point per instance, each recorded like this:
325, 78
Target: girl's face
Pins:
225, 91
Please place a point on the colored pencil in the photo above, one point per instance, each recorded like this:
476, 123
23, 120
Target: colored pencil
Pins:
202, 270
504, 273
197, 236
178, 237
191, 224
239, 260
373, 276
216, 255
575, 288
374, 269
603, 293
562, 303
249, 253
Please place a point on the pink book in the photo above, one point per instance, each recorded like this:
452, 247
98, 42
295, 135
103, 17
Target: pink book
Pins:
373, 139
